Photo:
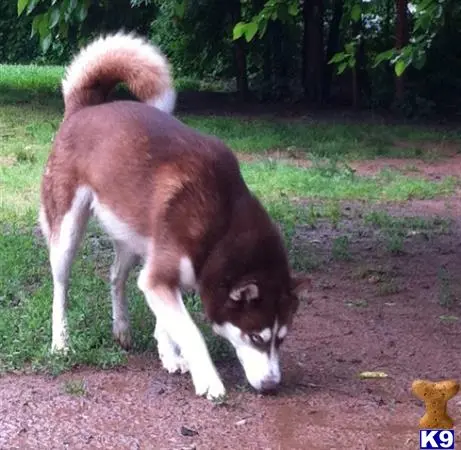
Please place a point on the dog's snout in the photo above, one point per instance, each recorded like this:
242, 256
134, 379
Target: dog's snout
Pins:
269, 386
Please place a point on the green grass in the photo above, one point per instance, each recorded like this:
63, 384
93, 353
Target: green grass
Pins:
320, 139
30, 114
271, 180
23, 83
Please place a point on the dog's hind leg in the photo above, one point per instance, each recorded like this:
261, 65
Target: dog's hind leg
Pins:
124, 261
65, 237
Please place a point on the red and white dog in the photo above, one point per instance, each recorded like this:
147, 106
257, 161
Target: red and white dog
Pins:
173, 199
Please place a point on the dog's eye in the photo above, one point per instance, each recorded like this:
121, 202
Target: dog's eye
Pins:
256, 339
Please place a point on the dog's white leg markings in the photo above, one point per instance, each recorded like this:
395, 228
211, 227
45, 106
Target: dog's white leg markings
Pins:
168, 307
62, 251
169, 352
124, 261
186, 273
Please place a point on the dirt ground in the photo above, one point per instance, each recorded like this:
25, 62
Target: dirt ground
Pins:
373, 312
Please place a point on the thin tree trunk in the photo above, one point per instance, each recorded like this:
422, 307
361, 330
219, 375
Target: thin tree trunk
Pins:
241, 65
401, 39
240, 59
360, 79
332, 47
305, 49
279, 62
313, 51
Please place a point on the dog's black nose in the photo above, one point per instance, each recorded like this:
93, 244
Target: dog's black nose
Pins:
269, 386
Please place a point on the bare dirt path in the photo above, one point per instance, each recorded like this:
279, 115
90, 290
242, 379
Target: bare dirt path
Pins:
374, 311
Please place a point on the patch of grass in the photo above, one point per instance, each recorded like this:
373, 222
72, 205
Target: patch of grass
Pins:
313, 215
397, 229
357, 303
333, 141
394, 243
332, 211
388, 287
341, 248
75, 387
19, 82
446, 295
384, 220
303, 258
26, 83
448, 318
272, 181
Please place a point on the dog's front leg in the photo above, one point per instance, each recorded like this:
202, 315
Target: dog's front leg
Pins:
167, 305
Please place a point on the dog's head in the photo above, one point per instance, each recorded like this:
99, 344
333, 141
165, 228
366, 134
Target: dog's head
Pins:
256, 318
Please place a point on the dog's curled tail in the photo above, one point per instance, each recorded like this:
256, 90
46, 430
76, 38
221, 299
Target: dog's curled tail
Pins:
113, 59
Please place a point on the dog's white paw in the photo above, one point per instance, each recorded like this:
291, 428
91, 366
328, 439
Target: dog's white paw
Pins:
210, 386
174, 363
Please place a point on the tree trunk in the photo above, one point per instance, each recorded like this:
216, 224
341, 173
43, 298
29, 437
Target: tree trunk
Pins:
240, 57
279, 62
360, 78
241, 66
313, 52
332, 47
401, 39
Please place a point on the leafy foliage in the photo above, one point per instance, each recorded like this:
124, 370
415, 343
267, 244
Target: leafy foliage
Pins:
278, 40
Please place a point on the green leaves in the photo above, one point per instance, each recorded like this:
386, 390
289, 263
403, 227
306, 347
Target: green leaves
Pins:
54, 22
54, 17
283, 10
180, 9
400, 67
21, 6
356, 12
250, 31
345, 59
245, 29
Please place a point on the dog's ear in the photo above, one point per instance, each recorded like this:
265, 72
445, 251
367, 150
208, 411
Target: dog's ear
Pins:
300, 285
245, 292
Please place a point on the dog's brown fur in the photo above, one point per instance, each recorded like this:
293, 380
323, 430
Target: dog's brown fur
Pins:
176, 187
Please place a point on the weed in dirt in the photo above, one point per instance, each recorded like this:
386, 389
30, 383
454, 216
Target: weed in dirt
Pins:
394, 243
410, 168
397, 229
75, 387
382, 219
333, 213
446, 296
329, 167
387, 288
341, 248
448, 318
312, 216
303, 258
377, 273
358, 303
